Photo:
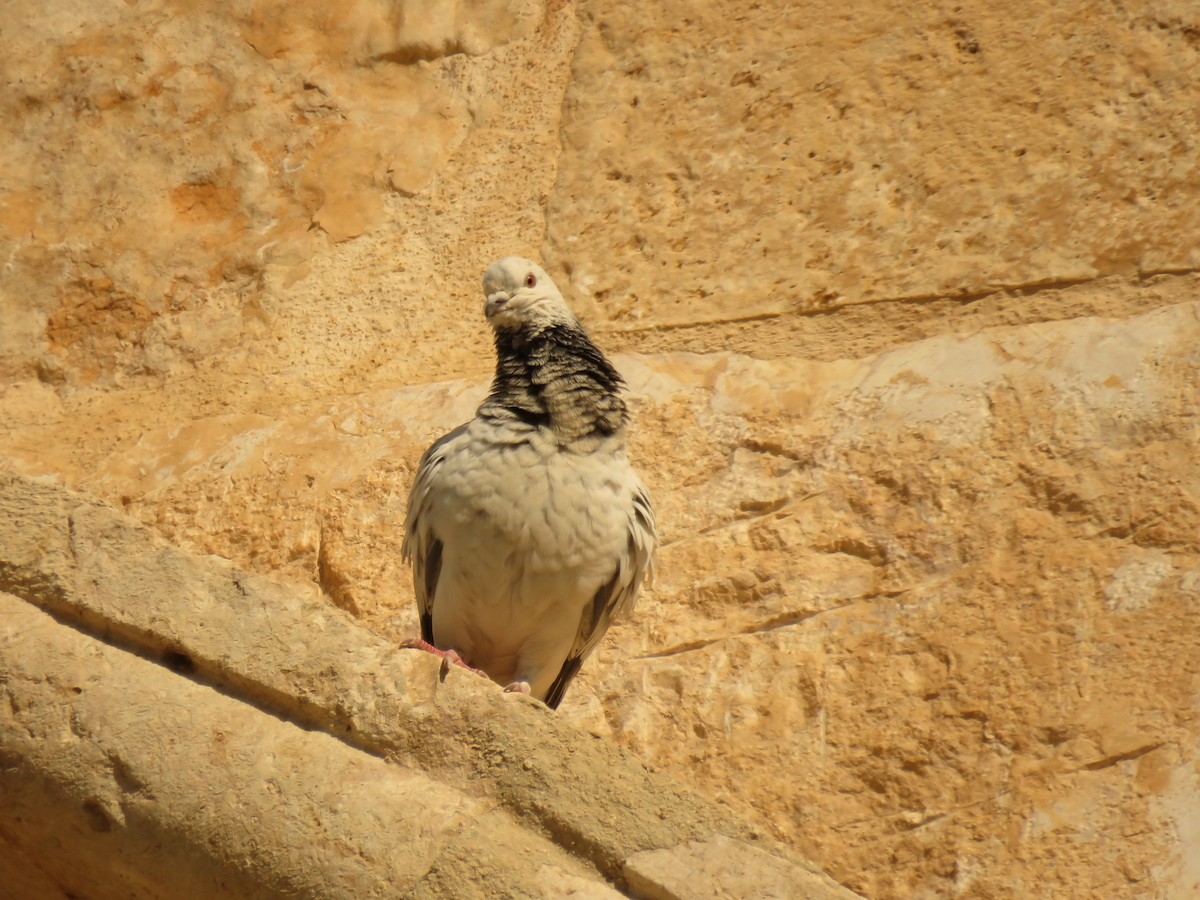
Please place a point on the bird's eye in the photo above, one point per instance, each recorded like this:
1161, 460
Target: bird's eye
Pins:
530, 280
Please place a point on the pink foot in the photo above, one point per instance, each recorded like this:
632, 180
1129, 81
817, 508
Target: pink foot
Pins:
517, 687
450, 657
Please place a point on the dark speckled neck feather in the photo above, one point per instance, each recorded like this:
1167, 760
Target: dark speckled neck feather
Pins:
554, 378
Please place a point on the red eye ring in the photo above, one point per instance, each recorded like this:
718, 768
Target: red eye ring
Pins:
530, 280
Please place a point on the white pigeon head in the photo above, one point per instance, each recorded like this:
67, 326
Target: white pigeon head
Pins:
520, 294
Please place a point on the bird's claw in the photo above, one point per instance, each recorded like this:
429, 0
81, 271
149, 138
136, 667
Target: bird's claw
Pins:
517, 687
448, 657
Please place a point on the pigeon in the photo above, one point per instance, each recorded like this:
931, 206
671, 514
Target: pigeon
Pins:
527, 529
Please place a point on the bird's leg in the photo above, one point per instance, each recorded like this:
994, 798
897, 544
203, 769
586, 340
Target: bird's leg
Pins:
450, 656
419, 644
517, 687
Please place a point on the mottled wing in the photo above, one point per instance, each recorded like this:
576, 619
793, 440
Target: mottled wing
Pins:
422, 547
616, 597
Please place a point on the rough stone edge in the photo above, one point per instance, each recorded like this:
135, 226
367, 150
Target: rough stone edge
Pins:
122, 778
102, 572
724, 867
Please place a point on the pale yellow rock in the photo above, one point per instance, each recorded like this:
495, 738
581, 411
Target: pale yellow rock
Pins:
726, 161
429, 29
905, 296
551, 810
125, 779
723, 868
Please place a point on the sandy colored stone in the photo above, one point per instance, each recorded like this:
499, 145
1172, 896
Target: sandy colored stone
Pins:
21, 875
920, 562
905, 298
236, 143
277, 653
124, 779
710, 870
724, 162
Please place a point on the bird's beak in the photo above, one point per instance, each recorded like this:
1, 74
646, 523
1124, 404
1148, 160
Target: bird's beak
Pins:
496, 303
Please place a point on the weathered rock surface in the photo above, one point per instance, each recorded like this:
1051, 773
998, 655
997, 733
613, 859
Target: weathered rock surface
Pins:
723, 161
907, 302
177, 727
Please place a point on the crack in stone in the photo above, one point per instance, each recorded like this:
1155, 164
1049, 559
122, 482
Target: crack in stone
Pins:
964, 297
783, 620
768, 510
921, 819
706, 323
1110, 761
928, 818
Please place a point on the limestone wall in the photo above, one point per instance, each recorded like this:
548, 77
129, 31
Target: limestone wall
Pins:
177, 727
906, 295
